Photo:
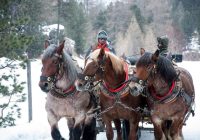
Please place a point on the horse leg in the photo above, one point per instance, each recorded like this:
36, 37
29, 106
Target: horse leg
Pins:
53, 122
125, 129
117, 123
90, 130
158, 132
109, 129
76, 133
166, 125
176, 129
133, 129
55, 133
70, 124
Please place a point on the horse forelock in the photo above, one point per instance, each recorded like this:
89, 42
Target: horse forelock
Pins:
117, 63
49, 51
144, 60
94, 55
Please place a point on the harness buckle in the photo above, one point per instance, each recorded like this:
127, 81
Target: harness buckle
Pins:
48, 79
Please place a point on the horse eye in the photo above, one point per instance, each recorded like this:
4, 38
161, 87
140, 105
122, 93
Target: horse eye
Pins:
55, 62
96, 66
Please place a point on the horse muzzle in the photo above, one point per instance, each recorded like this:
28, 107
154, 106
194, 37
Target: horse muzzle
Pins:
83, 85
136, 90
45, 86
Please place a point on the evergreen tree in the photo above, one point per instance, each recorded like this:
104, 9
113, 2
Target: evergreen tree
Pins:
140, 19
74, 19
20, 34
13, 45
33, 28
190, 21
101, 21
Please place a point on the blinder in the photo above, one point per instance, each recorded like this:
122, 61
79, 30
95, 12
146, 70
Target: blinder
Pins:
47, 79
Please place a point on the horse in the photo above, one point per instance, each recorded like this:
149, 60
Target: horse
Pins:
57, 79
170, 94
116, 102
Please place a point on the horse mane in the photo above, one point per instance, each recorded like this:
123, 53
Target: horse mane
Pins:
69, 66
163, 66
117, 63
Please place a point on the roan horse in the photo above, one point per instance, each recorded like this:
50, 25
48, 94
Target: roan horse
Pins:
170, 94
63, 100
116, 102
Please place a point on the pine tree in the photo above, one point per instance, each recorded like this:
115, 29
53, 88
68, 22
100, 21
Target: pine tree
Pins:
101, 21
74, 19
18, 29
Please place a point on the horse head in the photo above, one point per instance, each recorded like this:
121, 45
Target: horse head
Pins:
95, 66
51, 65
156, 71
102, 66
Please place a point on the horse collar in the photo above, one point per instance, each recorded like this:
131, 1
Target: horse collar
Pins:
118, 91
158, 97
170, 96
56, 92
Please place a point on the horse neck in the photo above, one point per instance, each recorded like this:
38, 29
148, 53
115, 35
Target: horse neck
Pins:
69, 75
160, 86
114, 77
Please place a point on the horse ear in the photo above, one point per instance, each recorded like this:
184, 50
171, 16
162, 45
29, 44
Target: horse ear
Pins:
46, 44
101, 54
155, 56
60, 48
142, 51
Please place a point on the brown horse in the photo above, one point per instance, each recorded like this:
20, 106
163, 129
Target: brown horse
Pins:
63, 100
170, 94
115, 99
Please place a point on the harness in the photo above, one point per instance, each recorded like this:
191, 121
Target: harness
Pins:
56, 92
170, 96
119, 92
176, 90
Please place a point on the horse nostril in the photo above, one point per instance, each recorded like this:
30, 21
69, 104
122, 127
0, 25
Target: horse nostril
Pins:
46, 84
80, 84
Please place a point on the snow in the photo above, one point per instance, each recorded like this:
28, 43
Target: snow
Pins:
48, 28
38, 129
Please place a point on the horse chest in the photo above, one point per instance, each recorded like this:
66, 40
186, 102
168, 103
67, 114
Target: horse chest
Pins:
167, 110
64, 106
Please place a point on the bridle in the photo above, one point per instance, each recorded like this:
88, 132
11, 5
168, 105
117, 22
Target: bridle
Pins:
90, 79
151, 72
55, 77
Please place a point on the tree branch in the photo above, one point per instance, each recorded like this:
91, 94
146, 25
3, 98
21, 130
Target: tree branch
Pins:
6, 105
7, 65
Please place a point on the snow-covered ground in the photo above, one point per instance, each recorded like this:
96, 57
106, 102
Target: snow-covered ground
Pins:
38, 129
